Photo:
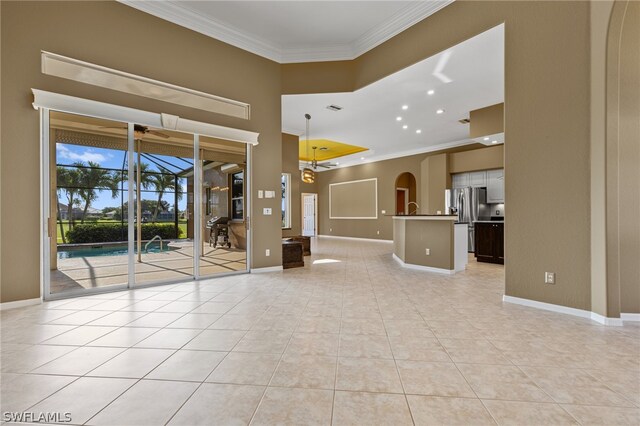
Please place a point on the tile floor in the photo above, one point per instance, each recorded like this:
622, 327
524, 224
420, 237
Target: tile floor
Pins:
355, 340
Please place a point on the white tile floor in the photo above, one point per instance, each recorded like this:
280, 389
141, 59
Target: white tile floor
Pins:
356, 341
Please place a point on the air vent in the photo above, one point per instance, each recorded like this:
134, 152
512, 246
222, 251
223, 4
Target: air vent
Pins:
464, 121
333, 107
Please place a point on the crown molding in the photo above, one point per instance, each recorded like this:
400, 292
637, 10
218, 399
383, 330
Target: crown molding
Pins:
405, 18
176, 12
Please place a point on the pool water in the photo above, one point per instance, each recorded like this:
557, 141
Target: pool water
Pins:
109, 251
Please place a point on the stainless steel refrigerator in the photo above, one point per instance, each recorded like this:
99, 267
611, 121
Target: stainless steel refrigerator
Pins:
466, 203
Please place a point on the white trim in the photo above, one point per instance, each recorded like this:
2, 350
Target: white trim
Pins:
354, 181
337, 237
98, 75
198, 241
73, 105
45, 205
266, 269
19, 304
421, 267
315, 213
614, 322
563, 310
178, 13
630, 317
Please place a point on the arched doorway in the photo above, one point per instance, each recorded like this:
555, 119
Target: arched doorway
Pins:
405, 194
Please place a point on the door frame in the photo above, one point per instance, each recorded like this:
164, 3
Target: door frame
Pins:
406, 199
315, 212
46, 102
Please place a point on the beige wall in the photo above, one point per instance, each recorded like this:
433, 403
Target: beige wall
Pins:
435, 180
547, 128
623, 159
117, 36
434, 234
486, 121
290, 165
488, 158
432, 178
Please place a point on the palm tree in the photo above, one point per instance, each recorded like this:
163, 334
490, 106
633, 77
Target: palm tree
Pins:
94, 177
68, 181
164, 183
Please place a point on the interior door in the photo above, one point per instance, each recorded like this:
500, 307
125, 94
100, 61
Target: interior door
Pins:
401, 201
309, 215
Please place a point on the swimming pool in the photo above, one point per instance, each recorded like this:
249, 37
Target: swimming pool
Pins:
107, 250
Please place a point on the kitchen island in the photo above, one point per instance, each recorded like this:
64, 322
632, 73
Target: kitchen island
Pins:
433, 243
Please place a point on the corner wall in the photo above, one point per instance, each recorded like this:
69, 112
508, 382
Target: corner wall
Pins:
547, 129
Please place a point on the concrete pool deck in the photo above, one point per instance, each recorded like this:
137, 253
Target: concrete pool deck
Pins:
102, 271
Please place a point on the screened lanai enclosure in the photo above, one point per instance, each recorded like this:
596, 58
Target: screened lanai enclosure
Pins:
104, 194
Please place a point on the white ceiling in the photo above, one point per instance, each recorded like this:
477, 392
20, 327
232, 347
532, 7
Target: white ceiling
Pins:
296, 31
476, 70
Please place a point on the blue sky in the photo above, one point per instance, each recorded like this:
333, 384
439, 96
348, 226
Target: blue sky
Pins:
67, 154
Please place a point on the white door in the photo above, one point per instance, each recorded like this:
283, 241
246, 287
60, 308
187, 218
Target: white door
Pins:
309, 215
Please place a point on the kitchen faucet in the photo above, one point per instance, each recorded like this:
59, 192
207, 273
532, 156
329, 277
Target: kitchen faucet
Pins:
417, 206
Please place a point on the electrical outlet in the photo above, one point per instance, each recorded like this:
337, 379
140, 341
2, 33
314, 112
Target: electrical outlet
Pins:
267, 252
330, 229
549, 277
378, 232
384, 212
266, 211
427, 252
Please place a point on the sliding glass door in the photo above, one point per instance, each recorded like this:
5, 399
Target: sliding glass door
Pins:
130, 205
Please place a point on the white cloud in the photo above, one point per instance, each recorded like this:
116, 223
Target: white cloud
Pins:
87, 155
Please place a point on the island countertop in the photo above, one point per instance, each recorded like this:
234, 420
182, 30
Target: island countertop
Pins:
426, 217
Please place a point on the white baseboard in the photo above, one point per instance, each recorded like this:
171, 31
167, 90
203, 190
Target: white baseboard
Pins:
421, 267
267, 269
630, 317
563, 310
19, 304
337, 237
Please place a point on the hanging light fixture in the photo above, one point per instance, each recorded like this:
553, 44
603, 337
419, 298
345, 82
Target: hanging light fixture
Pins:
308, 175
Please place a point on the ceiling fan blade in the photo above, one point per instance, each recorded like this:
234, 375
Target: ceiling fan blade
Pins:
114, 127
155, 132
326, 166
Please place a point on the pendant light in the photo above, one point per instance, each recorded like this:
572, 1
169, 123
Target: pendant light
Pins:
308, 175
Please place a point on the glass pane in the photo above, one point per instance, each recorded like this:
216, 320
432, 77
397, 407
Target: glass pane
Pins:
164, 214
88, 178
223, 226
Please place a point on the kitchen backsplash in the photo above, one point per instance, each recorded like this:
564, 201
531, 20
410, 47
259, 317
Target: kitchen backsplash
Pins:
489, 210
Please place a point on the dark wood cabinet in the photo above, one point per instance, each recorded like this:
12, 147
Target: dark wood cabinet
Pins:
489, 239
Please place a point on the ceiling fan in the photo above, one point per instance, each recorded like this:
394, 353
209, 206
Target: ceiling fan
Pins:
314, 162
139, 131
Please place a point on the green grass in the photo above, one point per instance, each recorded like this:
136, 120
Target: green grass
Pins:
182, 224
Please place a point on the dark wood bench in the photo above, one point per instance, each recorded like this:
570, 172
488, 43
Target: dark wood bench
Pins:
306, 243
292, 254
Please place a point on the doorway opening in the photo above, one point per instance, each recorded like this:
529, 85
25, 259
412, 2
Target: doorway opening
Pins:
405, 195
309, 214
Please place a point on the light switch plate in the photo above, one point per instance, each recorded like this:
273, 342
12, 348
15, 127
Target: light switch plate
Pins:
266, 211
260, 193
270, 194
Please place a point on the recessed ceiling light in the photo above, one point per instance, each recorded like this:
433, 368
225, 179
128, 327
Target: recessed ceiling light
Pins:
486, 139
405, 127
405, 107
440, 111
337, 164
398, 118
418, 131
431, 92
362, 158
494, 141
